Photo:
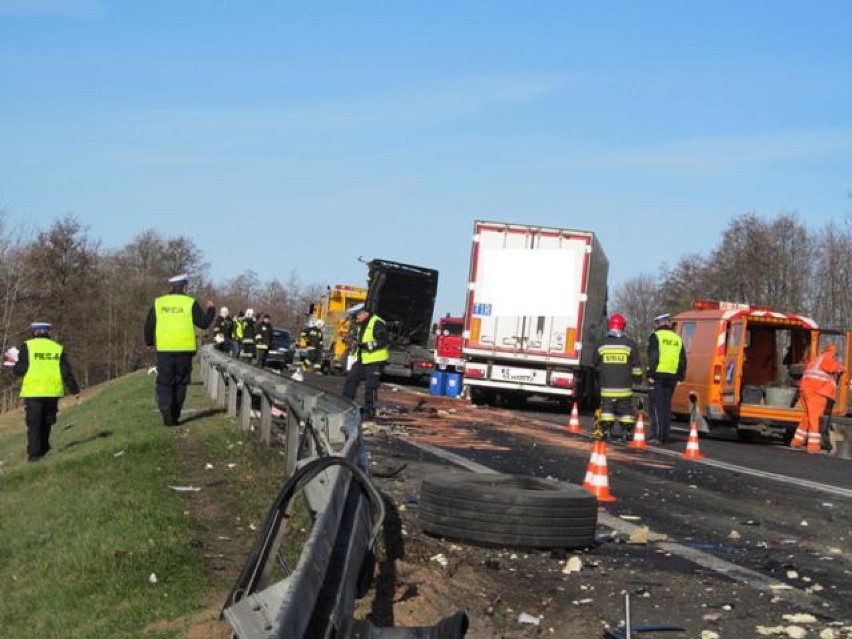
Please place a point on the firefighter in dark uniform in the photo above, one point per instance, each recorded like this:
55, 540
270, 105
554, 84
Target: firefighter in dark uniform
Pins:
223, 327
617, 362
170, 328
371, 353
312, 339
666, 369
47, 374
247, 346
263, 339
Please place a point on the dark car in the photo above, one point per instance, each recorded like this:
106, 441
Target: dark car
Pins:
281, 353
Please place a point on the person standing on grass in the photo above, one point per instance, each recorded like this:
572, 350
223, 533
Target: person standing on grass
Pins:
170, 328
47, 373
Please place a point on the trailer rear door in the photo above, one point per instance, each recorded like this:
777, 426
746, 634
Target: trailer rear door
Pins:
528, 292
734, 356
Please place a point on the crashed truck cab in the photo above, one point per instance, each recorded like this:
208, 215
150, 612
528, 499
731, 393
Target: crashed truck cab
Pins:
744, 364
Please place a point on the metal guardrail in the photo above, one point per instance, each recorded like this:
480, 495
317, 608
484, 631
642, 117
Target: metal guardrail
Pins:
325, 459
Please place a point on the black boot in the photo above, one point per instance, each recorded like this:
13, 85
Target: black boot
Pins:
825, 432
168, 420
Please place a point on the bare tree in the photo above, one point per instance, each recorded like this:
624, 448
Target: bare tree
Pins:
640, 300
64, 285
688, 280
12, 285
832, 281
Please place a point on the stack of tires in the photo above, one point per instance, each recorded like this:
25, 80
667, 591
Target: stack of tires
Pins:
508, 510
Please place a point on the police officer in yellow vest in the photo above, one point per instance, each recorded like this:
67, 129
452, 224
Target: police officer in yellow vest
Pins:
47, 374
666, 369
371, 353
170, 328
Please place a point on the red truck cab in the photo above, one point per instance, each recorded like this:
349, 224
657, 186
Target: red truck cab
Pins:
448, 344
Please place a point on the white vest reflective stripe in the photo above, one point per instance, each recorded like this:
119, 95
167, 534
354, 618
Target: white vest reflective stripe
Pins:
814, 371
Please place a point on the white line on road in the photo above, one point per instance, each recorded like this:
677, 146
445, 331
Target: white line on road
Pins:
738, 573
837, 491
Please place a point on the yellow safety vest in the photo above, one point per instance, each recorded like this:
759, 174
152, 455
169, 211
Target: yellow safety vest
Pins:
669, 345
43, 377
378, 355
175, 330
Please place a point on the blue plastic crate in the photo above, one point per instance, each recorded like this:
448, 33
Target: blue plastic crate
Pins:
437, 383
453, 384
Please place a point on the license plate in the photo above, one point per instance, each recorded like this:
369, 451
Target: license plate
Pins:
518, 375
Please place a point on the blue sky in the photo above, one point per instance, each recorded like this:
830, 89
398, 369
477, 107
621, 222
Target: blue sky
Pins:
298, 136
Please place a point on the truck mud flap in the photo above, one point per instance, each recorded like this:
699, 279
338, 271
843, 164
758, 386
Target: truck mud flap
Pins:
696, 416
453, 627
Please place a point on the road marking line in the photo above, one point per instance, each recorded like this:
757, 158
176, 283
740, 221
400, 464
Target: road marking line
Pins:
764, 474
737, 573
837, 491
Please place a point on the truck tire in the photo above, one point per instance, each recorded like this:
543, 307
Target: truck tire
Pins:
481, 396
508, 510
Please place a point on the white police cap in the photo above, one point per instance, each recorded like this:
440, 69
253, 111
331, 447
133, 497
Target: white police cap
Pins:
662, 319
183, 278
357, 307
41, 326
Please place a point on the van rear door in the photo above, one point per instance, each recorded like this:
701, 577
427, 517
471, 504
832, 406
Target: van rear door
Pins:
734, 355
843, 339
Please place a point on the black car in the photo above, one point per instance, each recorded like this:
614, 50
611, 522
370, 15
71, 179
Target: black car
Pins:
281, 354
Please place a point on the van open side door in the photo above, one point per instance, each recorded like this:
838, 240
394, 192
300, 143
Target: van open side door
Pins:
843, 339
733, 371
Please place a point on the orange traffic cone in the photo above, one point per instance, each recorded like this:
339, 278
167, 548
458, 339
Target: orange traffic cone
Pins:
692, 451
597, 478
639, 433
574, 422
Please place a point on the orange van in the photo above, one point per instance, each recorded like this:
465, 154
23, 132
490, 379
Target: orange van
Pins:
744, 364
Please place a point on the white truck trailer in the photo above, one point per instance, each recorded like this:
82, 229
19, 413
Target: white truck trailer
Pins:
536, 311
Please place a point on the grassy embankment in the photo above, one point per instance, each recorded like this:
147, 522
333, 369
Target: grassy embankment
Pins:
82, 531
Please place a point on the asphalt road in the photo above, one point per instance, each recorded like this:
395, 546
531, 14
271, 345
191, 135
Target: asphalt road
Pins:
772, 523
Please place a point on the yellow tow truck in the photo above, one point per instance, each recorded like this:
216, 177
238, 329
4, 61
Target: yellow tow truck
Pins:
328, 317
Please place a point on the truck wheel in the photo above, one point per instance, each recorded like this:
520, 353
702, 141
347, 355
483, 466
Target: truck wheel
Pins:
481, 396
508, 510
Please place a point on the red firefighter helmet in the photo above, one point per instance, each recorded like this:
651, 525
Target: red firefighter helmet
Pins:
616, 322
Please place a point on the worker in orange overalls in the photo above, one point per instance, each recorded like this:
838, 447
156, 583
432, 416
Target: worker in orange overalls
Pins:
818, 385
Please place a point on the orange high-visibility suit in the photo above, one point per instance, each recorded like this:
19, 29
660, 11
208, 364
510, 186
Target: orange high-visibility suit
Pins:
818, 385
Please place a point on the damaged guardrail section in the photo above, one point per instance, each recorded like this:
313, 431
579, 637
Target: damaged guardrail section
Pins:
321, 444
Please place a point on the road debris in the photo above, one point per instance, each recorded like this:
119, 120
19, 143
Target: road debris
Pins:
800, 618
440, 559
574, 564
639, 536
533, 620
185, 489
